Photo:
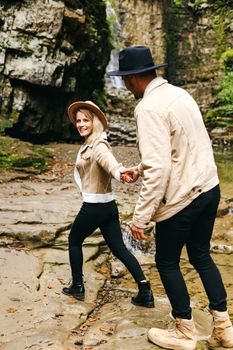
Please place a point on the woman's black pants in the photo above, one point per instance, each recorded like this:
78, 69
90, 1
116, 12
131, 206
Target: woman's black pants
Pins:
193, 227
106, 217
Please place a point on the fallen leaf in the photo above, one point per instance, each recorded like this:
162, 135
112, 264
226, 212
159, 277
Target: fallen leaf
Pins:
12, 310
50, 286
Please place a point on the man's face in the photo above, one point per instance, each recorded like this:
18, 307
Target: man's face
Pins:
131, 84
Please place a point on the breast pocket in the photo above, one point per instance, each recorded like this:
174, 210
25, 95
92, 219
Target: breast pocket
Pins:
84, 160
86, 154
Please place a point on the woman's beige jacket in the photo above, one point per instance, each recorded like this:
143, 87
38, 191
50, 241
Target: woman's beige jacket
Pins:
176, 155
94, 168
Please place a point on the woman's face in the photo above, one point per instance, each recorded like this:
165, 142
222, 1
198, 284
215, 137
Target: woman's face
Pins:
83, 124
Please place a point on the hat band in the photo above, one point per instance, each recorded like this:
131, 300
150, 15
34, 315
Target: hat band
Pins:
137, 67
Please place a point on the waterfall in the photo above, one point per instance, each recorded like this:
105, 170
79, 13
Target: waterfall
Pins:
113, 83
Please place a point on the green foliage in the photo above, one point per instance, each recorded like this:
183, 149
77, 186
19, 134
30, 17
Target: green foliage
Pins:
194, 4
226, 90
227, 60
220, 116
222, 4
222, 113
178, 2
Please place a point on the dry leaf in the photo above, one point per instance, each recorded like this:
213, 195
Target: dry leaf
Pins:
11, 310
50, 286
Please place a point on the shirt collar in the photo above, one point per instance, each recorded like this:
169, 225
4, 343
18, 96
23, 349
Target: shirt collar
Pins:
156, 82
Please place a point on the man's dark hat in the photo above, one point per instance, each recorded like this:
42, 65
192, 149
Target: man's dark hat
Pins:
135, 60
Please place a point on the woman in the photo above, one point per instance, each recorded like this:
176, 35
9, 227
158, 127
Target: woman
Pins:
95, 166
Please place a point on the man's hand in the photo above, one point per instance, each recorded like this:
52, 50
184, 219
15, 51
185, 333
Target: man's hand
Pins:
129, 174
138, 233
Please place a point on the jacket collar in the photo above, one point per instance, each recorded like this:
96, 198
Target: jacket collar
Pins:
103, 136
158, 81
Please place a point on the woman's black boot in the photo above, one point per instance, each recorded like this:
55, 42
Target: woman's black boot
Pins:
145, 296
76, 290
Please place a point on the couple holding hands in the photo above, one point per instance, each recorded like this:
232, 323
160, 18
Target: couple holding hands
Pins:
180, 192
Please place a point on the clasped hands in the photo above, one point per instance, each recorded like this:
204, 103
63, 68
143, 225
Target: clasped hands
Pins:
129, 175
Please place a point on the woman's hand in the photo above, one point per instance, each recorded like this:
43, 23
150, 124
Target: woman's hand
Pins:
129, 175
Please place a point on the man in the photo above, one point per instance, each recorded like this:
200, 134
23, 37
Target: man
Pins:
180, 192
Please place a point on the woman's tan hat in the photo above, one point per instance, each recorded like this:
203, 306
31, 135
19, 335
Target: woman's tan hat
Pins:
75, 106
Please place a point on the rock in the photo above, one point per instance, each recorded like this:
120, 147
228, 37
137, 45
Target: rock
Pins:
51, 52
123, 326
32, 220
34, 312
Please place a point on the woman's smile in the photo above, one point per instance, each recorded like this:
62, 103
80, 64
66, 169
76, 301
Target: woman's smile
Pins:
83, 124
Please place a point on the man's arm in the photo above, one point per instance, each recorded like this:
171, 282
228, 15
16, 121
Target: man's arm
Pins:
138, 233
155, 150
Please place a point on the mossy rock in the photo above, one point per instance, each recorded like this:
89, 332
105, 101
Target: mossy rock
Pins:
23, 156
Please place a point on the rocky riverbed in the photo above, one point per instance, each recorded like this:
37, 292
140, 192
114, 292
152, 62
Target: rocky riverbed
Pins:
36, 213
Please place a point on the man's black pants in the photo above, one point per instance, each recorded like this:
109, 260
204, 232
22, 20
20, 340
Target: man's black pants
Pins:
193, 227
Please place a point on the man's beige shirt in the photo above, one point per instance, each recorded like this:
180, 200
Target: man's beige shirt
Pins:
176, 155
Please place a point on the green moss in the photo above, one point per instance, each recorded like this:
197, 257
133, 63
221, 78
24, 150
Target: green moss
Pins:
7, 121
221, 113
18, 155
219, 26
225, 166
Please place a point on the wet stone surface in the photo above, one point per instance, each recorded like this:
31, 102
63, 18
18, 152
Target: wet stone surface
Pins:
36, 214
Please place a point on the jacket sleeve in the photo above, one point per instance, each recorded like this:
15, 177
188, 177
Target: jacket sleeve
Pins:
104, 157
155, 149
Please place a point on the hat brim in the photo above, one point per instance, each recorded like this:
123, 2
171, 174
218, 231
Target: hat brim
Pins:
135, 71
74, 107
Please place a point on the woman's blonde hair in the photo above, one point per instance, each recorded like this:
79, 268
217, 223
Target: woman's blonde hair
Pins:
98, 127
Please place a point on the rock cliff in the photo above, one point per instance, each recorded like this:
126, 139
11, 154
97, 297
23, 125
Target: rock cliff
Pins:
51, 52
55, 51
189, 35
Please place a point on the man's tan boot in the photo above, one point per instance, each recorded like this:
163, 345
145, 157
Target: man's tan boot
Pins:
222, 334
181, 337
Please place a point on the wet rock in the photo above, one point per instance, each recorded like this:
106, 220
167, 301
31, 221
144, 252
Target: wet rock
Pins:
41, 216
123, 326
33, 309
